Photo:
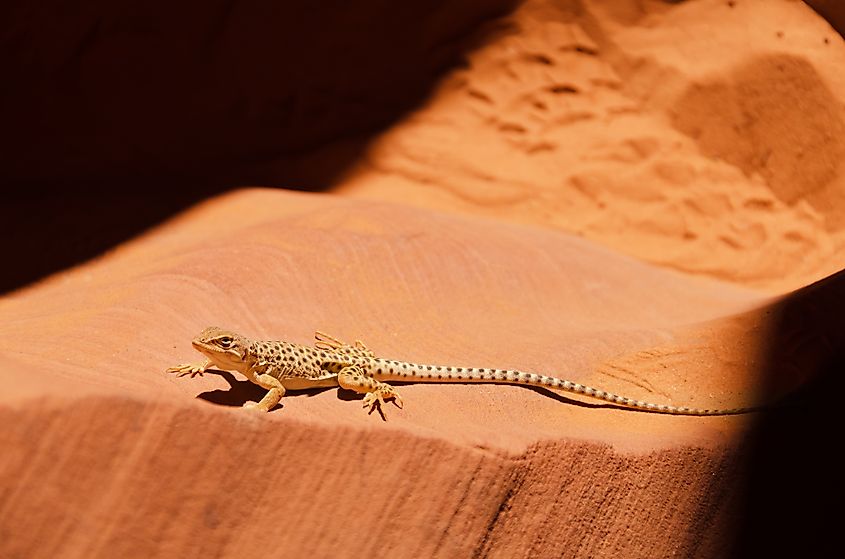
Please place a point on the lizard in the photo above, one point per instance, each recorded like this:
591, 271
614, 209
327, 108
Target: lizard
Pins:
279, 366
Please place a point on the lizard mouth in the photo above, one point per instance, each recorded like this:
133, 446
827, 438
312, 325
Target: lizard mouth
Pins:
204, 348
217, 354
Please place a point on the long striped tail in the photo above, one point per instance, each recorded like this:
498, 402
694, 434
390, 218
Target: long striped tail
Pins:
385, 369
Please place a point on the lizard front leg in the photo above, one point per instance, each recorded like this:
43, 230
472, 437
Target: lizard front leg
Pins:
353, 377
275, 391
192, 369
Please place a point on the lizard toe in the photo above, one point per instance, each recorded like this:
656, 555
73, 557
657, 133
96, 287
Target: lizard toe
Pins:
186, 369
371, 400
397, 401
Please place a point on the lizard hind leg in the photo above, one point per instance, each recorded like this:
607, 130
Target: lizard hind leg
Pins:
353, 377
325, 341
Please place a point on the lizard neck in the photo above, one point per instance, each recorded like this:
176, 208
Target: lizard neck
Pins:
251, 361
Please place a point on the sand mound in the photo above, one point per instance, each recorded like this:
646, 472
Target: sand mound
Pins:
668, 132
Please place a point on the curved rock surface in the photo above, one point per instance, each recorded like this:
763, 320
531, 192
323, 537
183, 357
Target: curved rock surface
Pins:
642, 196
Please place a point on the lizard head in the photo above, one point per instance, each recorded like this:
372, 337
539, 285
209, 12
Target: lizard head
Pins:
224, 348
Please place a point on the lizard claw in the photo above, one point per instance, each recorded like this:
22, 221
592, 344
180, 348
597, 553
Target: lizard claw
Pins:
372, 400
377, 398
192, 369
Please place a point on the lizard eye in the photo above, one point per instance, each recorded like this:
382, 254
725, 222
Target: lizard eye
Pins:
226, 341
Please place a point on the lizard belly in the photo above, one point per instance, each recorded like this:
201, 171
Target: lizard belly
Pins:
304, 383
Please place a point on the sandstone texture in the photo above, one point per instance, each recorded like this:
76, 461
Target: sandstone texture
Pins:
643, 196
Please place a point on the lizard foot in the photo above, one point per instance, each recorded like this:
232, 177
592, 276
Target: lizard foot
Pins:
255, 406
377, 397
192, 369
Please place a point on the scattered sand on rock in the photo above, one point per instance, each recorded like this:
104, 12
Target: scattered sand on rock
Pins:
706, 136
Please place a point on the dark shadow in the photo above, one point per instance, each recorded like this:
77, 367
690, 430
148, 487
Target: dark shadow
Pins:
115, 118
348, 395
793, 472
538, 389
351, 396
831, 10
597, 404
239, 392
549, 393
242, 391
56, 225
